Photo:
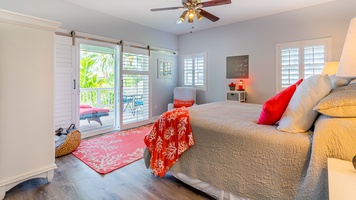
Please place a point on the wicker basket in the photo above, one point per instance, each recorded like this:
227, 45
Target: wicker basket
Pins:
70, 144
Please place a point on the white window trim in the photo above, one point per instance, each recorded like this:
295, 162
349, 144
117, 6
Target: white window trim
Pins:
300, 44
198, 87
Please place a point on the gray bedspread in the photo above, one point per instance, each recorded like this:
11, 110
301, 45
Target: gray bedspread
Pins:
236, 154
332, 138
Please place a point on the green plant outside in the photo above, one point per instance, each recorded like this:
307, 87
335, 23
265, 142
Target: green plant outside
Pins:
97, 70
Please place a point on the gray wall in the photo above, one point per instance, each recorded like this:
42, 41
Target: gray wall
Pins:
162, 87
73, 17
85, 20
258, 38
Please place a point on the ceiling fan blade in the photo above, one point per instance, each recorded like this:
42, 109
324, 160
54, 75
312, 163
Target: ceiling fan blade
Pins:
168, 8
209, 15
215, 3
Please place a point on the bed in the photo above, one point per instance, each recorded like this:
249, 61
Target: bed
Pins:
235, 158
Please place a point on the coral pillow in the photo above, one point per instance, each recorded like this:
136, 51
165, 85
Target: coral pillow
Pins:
180, 103
274, 107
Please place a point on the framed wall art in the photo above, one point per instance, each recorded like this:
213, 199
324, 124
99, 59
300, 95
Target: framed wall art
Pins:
237, 66
164, 68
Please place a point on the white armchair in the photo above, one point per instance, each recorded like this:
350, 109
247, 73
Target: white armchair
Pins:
183, 93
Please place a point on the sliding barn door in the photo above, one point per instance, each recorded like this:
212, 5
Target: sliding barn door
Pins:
65, 83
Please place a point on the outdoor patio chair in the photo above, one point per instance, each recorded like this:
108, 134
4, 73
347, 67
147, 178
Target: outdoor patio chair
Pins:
92, 114
134, 102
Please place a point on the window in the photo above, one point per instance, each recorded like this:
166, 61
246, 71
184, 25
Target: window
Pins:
302, 59
194, 70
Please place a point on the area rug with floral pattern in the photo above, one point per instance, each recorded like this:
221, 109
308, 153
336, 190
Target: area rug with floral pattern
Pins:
112, 151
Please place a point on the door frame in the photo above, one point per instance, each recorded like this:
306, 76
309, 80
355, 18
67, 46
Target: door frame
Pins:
78, 42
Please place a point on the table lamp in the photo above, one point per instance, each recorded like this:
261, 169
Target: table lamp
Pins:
347, 65
330, 68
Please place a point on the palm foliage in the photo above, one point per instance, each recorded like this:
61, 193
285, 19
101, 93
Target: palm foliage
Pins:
97, 71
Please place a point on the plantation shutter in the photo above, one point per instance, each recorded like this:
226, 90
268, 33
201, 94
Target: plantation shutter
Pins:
188, 71
64, 82
135, 86
289, 66
199, 69
314, 60
302, 59
194, 71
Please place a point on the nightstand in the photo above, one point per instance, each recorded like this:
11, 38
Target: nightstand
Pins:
235, 96
342, 179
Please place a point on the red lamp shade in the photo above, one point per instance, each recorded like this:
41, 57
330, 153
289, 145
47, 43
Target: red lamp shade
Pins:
241, 85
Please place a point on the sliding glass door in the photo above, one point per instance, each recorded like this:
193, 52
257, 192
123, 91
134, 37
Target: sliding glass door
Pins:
104, 69
135, 87
101, 85
97, 83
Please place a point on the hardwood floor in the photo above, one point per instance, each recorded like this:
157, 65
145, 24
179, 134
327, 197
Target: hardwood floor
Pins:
74, 180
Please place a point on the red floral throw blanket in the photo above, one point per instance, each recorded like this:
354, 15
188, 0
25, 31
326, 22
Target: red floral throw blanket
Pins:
170, 136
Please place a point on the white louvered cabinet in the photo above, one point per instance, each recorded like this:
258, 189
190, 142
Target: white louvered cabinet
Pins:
26, 99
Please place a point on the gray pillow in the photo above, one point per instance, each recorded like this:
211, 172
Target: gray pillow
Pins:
341, 102
338, 81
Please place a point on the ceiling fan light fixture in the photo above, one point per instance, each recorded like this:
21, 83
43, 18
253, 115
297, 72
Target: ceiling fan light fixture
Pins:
190, 20
199, 16
191, 14
182, 17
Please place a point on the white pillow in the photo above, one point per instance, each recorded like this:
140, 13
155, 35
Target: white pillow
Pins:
338, 81
299, 115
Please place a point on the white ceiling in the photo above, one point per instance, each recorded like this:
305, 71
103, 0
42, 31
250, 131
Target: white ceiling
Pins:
138, 11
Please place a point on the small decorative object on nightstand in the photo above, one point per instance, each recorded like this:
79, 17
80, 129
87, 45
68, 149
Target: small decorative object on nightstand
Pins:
232, 86
236, 96
241, 86
342, 179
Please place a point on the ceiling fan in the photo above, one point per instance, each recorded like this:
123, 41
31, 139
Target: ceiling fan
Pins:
194, 8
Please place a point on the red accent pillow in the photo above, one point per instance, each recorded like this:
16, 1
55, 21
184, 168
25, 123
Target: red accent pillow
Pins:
274, 107
180, 103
